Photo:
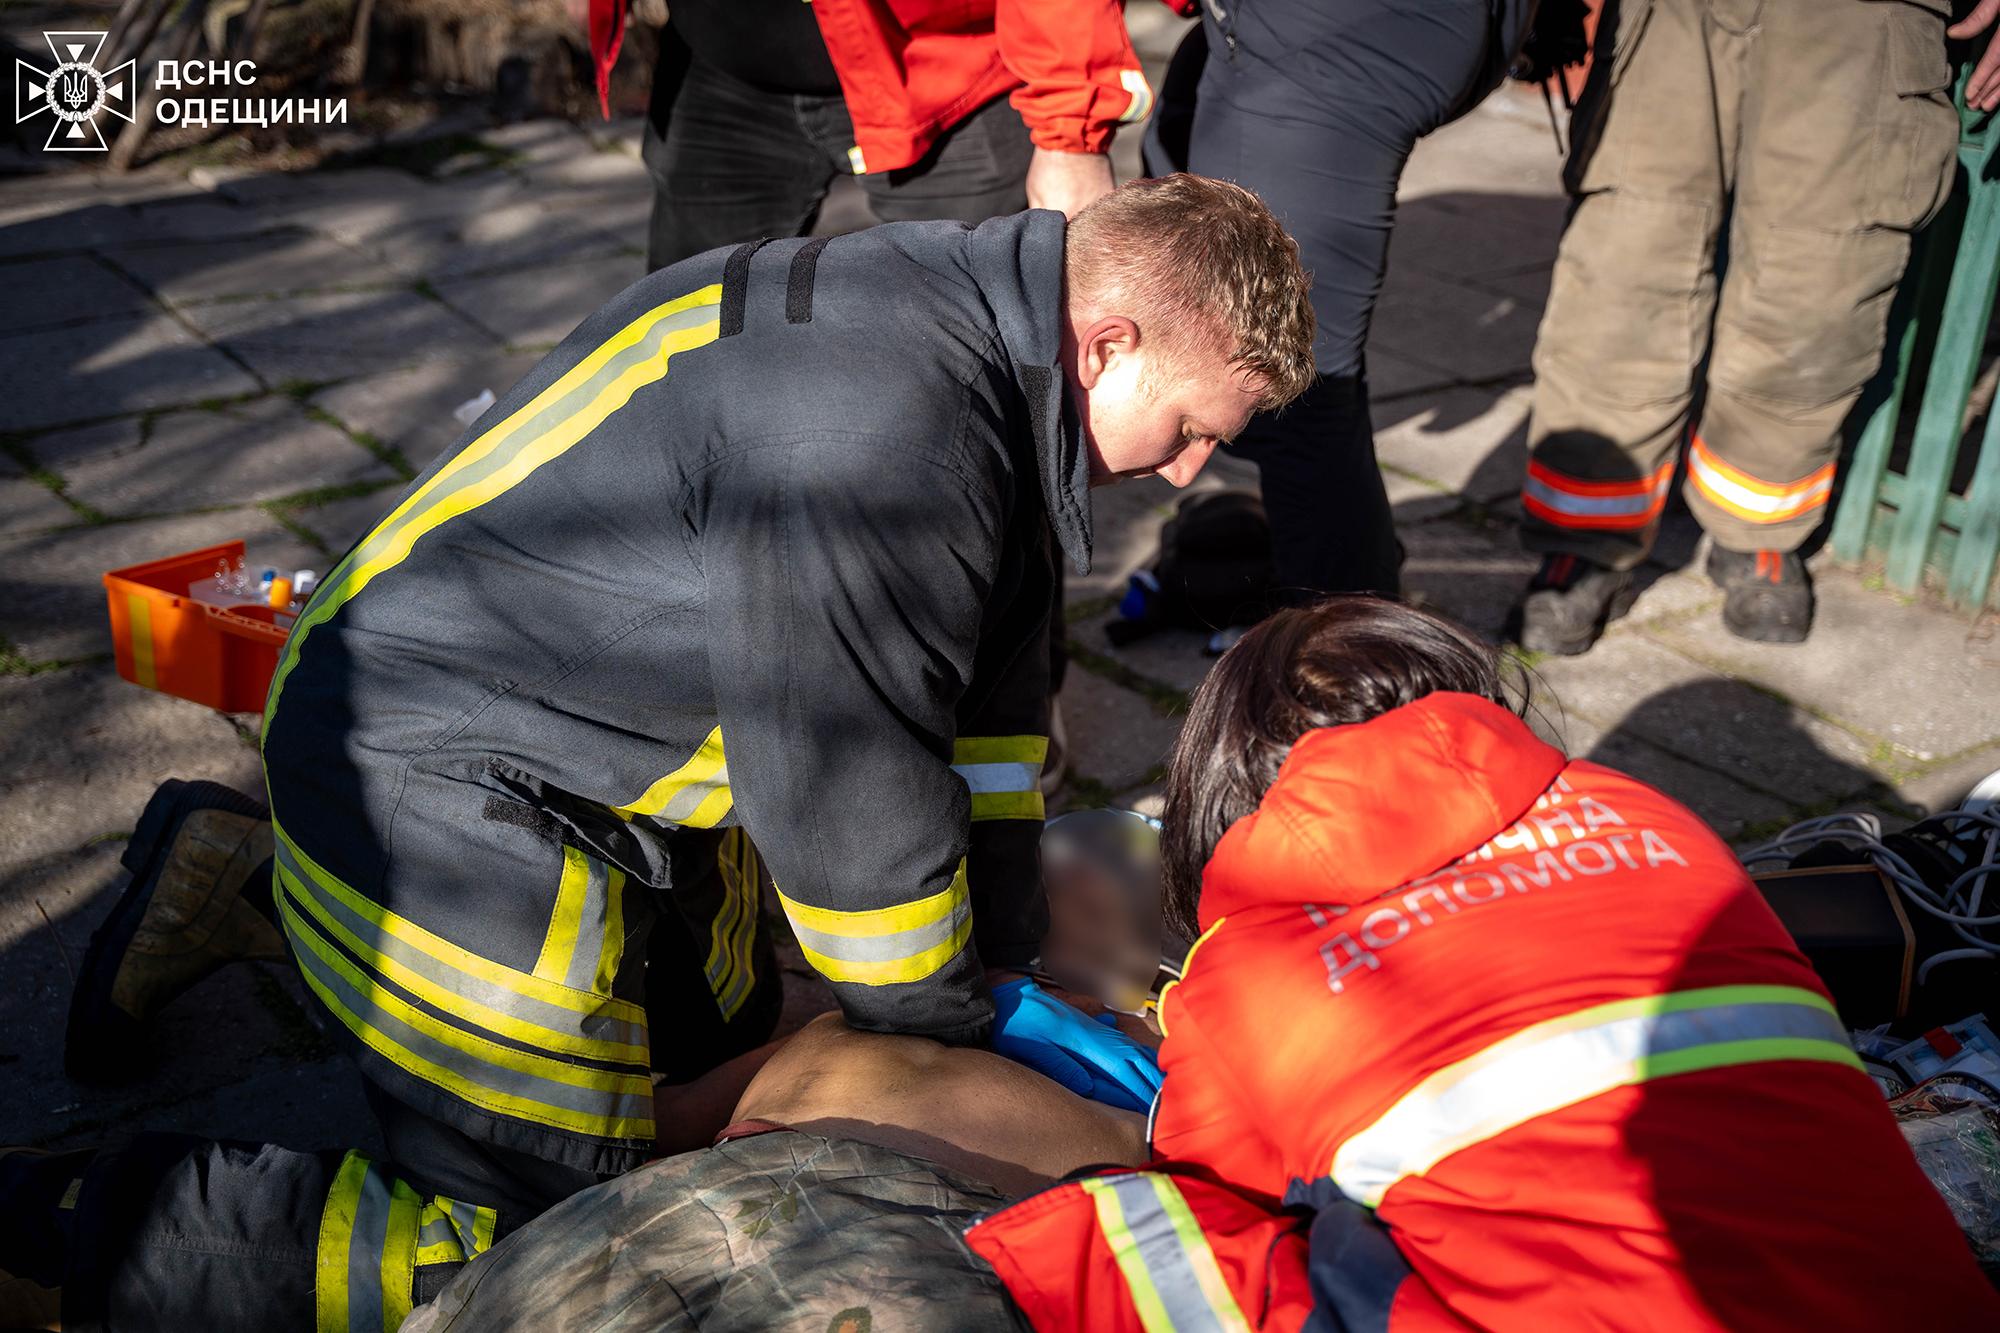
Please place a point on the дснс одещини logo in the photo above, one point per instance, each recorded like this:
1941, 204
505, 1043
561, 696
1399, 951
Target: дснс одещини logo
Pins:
75, 91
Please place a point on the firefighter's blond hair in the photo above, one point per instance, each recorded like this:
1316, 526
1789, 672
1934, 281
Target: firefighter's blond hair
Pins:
1205, 263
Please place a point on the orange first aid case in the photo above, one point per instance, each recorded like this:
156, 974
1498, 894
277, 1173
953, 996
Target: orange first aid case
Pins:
166, 640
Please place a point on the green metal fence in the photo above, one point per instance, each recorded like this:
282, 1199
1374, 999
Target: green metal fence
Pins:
1915, 519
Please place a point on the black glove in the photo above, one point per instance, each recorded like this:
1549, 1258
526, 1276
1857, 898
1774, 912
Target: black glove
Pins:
1555, 41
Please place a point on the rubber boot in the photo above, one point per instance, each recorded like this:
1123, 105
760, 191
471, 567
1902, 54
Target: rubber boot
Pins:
188, 909
1567, 605
38, 1195
1767, 595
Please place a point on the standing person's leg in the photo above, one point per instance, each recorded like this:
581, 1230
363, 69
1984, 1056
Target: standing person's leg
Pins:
1845, 152
978, 170
1316, 107
1628, 313
729, 162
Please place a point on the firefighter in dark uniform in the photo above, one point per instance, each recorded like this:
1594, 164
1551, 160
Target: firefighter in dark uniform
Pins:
765, 548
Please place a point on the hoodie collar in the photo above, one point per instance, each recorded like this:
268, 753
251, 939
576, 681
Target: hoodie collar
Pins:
1018, 263
1358, 810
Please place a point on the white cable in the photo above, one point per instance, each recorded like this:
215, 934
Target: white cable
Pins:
1957, 905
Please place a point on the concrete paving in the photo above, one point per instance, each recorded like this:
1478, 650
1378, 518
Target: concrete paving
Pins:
216, 354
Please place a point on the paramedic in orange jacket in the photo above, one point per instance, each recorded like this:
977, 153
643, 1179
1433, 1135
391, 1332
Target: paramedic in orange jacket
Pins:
1475, 1036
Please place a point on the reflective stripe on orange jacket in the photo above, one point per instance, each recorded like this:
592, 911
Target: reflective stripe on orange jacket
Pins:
1494, 1039
911, 69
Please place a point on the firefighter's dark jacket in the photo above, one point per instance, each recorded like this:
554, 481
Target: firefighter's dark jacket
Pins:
767, 541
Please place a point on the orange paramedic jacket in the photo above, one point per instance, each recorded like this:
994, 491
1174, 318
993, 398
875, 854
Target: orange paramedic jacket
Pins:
911, 69
1479, 1037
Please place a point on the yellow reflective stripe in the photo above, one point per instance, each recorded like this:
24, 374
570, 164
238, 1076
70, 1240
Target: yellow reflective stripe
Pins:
437, 1238
633, 1089
1170, 1270
887, 945
559, 1040
399, 1257
1000, 749
695, 795
1187, 965
336, 1234
391, 540
139, 628
1566, 1060
451, 955
567, 918
1007, 805
1125, 1250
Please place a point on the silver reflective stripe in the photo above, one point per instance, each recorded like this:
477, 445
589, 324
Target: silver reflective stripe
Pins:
374, 942
1570, 1059
689, 798
439, 1231
885, 948
1174, 1267
351, 1004
1592, 505
1737, 494
364, 1253
465, 1221
982, 778
591, 925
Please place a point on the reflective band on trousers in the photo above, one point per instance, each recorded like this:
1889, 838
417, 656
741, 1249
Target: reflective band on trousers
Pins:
1171, 1273
546, 427
391, 983
1573, 502
367, 1251
887, 945
1746, 497
1563, 1061
450, 1232
1003, 773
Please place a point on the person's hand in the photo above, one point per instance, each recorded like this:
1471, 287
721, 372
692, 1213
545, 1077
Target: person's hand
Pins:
1069, 182
1982, 90
1091, 1058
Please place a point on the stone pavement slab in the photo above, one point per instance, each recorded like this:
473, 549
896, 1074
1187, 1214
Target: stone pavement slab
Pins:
72, 230
1859, 667
411, 410
112, 742
1473, 335
58, 449
340, 523
1176, 659
273, 264
538, 307
1471, 442
1116, 737
490, 240
52, 605
114, 366
1469, 572
1727, 806
259, 450
1462, 235
26, 505
75, 289
1630, 684
335, 335
1391, 375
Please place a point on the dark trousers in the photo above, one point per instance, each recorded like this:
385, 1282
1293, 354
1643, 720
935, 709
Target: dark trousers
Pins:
732, 162
1316, 105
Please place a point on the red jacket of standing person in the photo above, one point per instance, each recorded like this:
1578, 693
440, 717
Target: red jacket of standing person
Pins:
1478, 1037
911, 69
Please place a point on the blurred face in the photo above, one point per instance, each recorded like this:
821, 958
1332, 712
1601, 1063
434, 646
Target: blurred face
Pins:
1147, 413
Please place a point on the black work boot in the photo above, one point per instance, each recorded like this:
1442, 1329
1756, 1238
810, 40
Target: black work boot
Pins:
1568, 603
197, 860
38, 1196
1767, 595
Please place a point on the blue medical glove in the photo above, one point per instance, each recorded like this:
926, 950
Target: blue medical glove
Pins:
1093, 1060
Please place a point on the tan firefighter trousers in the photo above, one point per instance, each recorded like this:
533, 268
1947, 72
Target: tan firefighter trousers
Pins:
1822, 132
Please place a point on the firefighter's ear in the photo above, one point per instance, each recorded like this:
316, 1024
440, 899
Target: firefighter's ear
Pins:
1103, 344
